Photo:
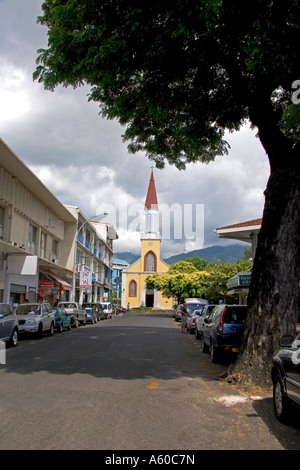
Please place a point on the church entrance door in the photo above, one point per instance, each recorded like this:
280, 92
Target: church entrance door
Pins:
149, 298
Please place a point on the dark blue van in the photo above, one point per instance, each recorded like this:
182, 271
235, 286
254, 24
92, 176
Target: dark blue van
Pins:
223, 330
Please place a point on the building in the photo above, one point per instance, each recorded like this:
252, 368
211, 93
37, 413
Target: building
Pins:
36, 236
93, 258
247, 232
118, 266
134, 291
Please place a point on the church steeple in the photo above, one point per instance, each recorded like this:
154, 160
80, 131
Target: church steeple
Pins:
151, 212
151, 199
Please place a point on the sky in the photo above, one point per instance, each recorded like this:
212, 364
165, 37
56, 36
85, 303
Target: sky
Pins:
81, 158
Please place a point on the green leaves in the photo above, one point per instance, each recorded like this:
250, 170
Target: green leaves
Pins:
184, 280
176, 74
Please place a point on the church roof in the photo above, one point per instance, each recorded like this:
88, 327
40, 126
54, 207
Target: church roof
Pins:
151, 199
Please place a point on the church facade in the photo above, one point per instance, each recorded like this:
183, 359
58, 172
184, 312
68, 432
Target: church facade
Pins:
133, 279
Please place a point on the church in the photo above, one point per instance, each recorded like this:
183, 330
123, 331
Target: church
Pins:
134, 290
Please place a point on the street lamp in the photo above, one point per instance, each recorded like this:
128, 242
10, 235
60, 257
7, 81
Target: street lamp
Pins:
75, 249
91, 218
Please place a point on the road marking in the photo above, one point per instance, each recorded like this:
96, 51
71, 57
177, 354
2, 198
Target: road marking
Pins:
152, 385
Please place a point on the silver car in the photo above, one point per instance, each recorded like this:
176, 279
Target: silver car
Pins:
36, 318
9, 332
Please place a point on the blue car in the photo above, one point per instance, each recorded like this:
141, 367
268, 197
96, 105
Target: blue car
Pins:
62, 319
223, 331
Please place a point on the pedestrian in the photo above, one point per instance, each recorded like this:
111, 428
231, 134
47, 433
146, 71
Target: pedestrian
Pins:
183, 319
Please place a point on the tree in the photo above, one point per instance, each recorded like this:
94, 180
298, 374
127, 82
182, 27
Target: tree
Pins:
216, 285
199, 263
179, 284
177, 74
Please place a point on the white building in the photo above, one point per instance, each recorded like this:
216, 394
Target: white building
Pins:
44, 245
36, 233
93, 258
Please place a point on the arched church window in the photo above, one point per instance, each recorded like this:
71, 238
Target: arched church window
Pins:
150, 262
132, 289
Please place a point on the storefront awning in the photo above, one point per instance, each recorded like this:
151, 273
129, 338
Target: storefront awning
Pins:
65, 285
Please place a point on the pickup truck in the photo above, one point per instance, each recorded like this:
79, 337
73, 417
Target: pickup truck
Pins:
78, 314
35, 318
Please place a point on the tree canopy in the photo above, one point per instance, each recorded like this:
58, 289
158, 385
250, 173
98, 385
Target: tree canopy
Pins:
184, 280
176, 73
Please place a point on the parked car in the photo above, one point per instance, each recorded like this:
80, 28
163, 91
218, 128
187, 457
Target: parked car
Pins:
62, 319
194, 304
78, 315
9, 331
98, 307
177, 312
107, 307
91, 315
205, 312
223, 330
35, 318
191, 320
286, 377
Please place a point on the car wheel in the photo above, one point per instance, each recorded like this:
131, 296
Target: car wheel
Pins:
204, 347
14, 338
60, 328
39, 331
280, 401
214, 354
51, 331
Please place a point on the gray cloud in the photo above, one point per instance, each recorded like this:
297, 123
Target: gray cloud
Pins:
82, 159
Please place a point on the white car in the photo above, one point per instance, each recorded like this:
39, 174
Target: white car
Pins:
108, 309
191, 320
200, 320
35, 318
8, 325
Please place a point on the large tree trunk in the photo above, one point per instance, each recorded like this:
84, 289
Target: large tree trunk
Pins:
273, 295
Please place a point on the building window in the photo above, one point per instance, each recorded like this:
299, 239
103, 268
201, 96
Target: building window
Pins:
54, 249
150, 262
1, 222
132, 289
43, 245
32, 239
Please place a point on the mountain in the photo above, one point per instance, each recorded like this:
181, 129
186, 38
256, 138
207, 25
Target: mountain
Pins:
126, 256
212, 254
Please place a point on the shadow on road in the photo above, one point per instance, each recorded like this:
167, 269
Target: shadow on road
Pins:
131, 348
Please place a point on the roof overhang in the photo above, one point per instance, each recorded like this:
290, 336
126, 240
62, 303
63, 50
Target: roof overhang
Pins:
243, 231
14, 165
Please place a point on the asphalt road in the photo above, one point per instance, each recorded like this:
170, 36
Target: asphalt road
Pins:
133, 382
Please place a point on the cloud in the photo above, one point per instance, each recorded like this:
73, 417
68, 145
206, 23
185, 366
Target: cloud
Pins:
81, 158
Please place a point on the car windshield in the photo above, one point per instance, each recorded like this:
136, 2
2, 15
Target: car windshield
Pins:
235, 315
192, 307
67, 305
28, 310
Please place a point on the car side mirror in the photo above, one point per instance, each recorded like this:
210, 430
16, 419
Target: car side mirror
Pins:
286, 341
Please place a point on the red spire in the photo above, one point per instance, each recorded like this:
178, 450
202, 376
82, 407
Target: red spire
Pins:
151, 199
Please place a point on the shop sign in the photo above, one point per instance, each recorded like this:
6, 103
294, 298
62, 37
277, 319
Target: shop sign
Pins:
85, 280
47, 284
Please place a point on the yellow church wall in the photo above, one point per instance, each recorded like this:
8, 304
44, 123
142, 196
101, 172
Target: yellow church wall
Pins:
136, 272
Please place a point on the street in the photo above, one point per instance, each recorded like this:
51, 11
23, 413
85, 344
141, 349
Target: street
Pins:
133, 382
